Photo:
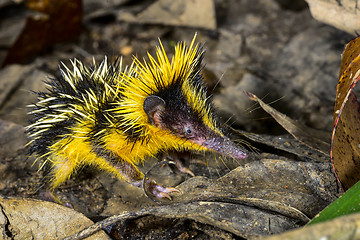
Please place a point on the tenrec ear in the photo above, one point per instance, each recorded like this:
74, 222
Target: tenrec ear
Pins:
153, 106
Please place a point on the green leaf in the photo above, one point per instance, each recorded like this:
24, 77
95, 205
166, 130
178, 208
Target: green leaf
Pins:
346, 204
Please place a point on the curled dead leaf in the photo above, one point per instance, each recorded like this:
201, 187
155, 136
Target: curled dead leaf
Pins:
315, 139
345, 142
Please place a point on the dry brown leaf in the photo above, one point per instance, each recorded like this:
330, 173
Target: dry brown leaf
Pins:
35, 219
346, 227
54, 22
345, 136
315, 139
196, 13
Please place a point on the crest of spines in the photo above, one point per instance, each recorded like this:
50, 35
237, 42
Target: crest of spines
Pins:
160, 73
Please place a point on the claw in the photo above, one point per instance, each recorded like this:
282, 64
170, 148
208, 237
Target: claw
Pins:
175, 157
157, 190
184, 169
163, 192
